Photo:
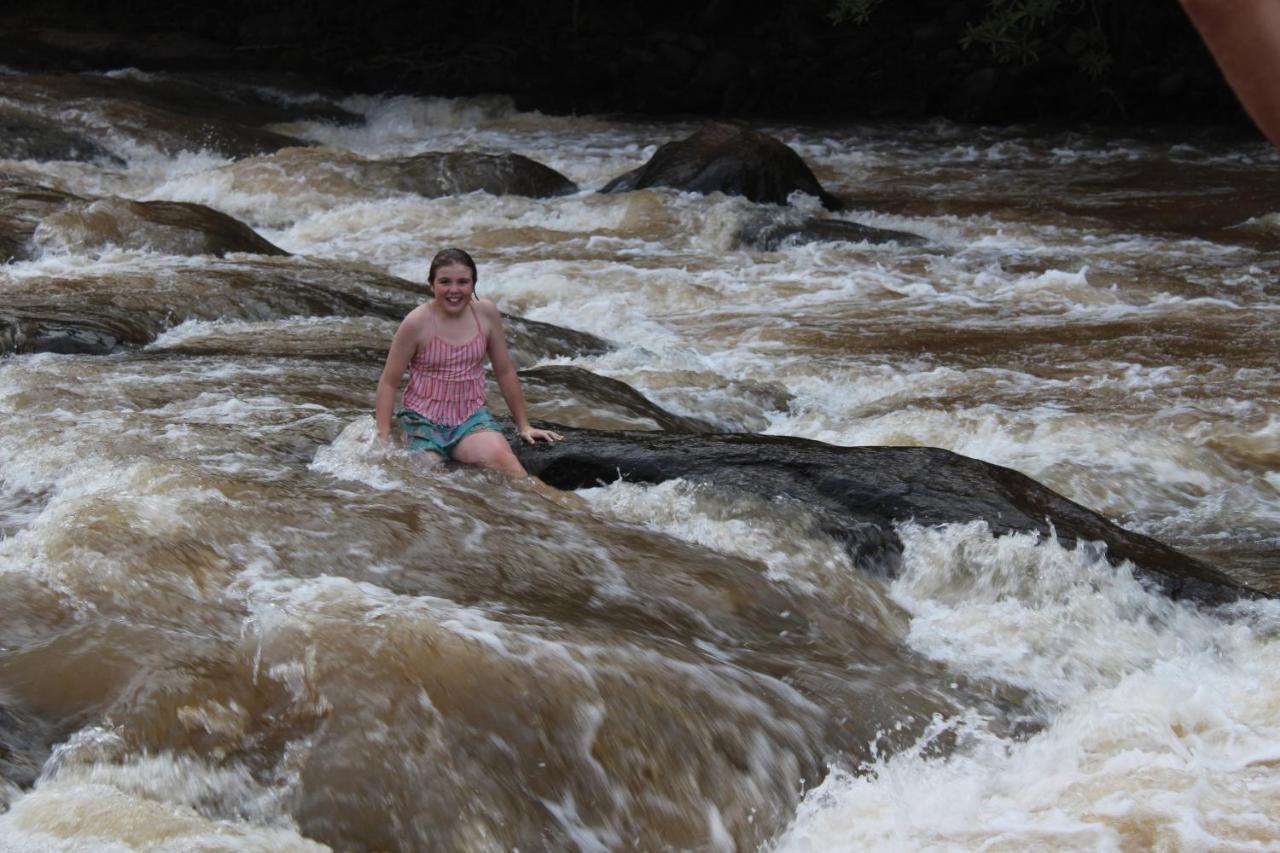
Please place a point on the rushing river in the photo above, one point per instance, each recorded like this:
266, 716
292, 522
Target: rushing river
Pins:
229, 621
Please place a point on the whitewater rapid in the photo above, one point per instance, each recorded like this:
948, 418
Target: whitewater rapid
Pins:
242, 626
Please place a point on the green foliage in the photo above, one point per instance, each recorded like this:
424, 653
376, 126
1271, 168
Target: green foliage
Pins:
1018, 31
852, 11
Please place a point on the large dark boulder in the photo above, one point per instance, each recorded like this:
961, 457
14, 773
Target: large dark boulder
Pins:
858, 493
731, 159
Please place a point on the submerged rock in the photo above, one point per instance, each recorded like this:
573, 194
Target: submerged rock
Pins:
859, 493
771, 234
727, 158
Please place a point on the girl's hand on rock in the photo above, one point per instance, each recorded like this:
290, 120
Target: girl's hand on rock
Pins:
532, 435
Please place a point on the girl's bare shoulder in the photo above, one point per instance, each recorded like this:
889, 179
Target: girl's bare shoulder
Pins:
417, 317
488, 312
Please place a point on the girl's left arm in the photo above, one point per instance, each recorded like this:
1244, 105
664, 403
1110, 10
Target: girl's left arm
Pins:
504, 371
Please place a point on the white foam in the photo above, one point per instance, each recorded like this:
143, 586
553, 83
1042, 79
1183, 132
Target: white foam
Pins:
1162, 726
357, 455
779, 535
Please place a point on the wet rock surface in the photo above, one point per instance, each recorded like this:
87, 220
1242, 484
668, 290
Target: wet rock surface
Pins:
731, 159
859, 493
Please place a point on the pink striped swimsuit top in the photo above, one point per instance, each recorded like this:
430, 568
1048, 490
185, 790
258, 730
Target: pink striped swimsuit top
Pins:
446, 381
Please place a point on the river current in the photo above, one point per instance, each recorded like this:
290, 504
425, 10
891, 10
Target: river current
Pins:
229, 621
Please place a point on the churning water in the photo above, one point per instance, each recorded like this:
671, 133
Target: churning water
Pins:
228, 621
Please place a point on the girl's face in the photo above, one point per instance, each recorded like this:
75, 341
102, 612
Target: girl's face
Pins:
453, 286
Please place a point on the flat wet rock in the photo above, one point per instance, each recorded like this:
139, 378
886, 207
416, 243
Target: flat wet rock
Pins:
731, 159
859, 493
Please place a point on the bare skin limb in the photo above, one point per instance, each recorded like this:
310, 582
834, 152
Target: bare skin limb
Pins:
1244, 37
447, 316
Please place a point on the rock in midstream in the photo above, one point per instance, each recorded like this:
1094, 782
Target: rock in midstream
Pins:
731, 159
442, 173
772, 234
36, 219
859, 493
432, 174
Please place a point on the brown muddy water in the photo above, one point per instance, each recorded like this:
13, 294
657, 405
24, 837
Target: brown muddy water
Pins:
229, 622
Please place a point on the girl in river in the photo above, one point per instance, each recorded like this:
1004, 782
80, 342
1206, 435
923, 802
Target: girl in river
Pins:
443, 343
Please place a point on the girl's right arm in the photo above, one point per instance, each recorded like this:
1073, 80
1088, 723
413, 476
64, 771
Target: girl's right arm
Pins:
403, 345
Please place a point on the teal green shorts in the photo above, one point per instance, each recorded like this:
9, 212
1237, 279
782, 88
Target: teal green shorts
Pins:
423, 434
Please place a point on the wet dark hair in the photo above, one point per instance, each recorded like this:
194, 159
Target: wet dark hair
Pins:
446, 257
